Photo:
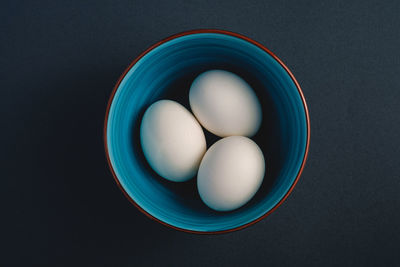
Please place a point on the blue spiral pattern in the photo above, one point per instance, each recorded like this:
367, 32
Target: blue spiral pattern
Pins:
151, 78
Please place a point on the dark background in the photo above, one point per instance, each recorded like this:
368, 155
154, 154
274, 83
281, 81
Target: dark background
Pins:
59, 202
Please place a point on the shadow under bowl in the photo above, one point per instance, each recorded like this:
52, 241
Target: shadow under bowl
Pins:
166, 71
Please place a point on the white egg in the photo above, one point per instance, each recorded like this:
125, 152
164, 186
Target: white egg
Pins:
230, 173
172, 140
225, 104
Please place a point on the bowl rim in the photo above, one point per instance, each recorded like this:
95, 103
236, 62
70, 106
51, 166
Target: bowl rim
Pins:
191, 32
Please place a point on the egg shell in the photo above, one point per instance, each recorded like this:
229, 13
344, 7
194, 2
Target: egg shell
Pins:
225, 104
230, 173
172, 140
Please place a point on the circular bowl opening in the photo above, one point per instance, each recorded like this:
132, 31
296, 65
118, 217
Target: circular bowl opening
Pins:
166, 71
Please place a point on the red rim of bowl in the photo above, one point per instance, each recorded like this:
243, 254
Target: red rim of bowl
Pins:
230, 34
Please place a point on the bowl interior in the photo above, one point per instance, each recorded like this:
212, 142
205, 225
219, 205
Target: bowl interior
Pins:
166, 72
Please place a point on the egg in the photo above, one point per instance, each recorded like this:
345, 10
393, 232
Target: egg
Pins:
225, 104
230, 173
172, 140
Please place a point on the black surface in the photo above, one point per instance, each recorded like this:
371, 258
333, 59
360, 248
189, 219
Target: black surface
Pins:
59, 202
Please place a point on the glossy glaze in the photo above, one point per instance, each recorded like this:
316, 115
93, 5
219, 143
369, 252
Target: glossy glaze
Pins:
284, 136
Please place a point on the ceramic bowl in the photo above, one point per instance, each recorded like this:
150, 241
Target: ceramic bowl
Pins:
165, 71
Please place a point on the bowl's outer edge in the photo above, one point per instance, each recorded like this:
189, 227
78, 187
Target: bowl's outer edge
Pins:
234, 35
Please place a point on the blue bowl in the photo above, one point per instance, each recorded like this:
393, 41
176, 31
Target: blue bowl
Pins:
165, 71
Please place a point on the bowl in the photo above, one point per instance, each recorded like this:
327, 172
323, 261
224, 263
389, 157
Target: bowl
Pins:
166, 71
